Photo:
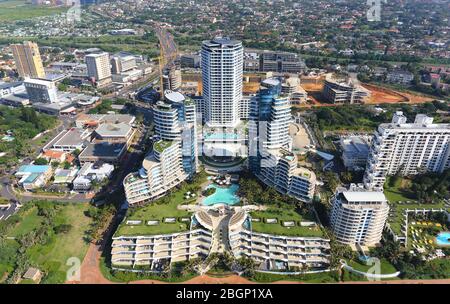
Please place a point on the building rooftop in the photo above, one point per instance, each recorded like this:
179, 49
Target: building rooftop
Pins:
113, 130
103, 149
71, 137
364, 196
354, 144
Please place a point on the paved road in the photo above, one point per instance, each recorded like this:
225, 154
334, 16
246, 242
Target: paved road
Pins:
7, 212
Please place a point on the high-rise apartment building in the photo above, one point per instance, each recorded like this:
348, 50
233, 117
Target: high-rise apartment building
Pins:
408, 149
174, 157
171, 77
99, 68
358, 216
271, 159
28, 60
222, 68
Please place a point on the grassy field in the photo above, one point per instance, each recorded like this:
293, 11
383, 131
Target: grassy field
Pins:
30, 220
54, 255
396, 192
13, 10
283, 214
51, 256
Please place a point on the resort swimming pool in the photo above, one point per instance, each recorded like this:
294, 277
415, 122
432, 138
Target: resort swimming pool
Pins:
443, 239
222, 195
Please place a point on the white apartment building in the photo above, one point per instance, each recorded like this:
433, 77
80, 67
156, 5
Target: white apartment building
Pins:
99, 68
161, 170
358, 216
276, 252
222, 69
279, 169
407, 148
151, 250
40, 90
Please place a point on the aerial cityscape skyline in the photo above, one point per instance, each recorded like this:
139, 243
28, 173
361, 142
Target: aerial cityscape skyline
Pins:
264, 141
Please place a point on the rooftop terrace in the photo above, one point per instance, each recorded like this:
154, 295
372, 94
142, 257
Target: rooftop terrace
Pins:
284, 215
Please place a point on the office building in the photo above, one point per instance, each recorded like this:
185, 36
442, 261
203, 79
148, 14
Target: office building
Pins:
28, 60
281, 62
41, 91
99, 68
358, 216
222, 68
347, 91
407, 149
121, 63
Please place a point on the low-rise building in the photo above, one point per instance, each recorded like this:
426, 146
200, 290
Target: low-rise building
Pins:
400, 76
109, 152
344, 91
276, 252
91, 172
355, 151
150, 251
33, 176
69, 140
64, 176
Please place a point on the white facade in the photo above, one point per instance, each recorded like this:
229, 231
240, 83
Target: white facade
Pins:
161, 171
407, 148
98, 67
222, 69
40, 90
358, 216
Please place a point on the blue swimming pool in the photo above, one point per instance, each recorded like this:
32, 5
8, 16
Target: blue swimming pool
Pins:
443, 239
224, 195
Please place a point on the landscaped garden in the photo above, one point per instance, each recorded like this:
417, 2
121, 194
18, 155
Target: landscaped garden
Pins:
45, 235
285, 221
161, 212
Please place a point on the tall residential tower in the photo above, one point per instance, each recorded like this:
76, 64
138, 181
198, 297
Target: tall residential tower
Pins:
222, 68
28, 60
407, 149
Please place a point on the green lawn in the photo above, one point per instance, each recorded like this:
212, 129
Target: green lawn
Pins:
19, 10
396, 193
30, 220
155, 211
286, 213
324, 277
386, 267
54, 255
397, 220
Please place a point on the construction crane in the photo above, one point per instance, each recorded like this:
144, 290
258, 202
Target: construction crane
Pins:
168, 52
